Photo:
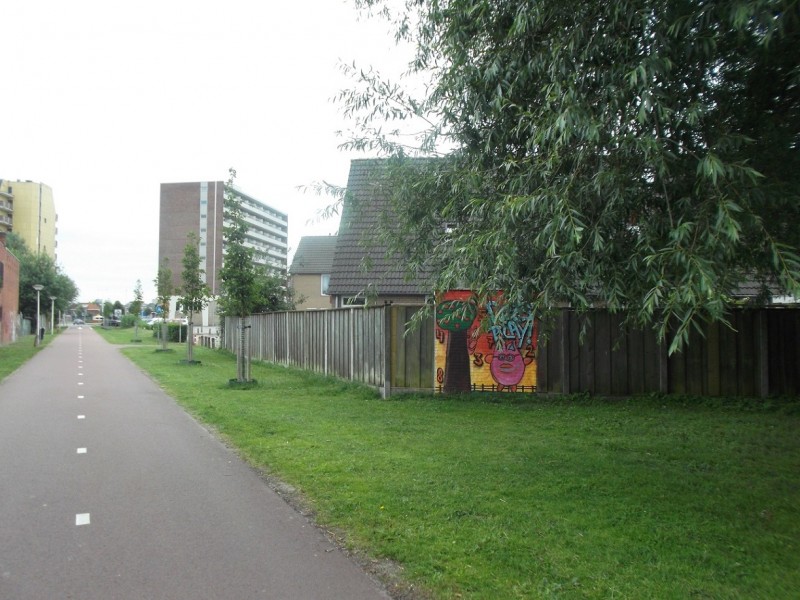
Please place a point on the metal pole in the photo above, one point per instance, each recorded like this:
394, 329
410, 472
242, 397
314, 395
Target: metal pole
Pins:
38, 287
52, 312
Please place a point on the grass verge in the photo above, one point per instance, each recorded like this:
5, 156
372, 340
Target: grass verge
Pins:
524, 497
126, 335
14, 355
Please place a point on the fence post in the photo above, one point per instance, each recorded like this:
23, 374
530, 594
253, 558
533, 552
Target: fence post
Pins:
352, 343
663, 367
387, 351
565, 352
762, 341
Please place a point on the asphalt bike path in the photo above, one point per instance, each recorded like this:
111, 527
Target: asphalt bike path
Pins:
109, 490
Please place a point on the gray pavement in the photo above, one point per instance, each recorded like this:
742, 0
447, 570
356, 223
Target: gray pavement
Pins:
109, 490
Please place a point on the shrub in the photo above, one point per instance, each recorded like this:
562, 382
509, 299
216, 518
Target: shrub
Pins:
175, 332
128, 320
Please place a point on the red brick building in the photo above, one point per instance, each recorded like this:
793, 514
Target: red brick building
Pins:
9, 295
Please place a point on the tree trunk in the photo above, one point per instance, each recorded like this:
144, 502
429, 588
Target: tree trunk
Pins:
164, 329
241, 376
190, 339
456, 370
246, 337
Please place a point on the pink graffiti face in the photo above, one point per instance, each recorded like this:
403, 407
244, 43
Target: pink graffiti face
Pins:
507, 366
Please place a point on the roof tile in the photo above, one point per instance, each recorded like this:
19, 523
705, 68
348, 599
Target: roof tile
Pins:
361, 264
314, 255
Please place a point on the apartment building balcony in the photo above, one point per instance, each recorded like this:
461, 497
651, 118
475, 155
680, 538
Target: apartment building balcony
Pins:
267, 240
279, 231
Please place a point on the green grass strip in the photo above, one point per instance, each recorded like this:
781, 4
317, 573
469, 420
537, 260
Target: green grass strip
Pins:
524, 497
13, 355
126, 335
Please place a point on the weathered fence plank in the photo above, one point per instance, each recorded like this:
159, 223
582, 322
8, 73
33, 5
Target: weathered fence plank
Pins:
759, 356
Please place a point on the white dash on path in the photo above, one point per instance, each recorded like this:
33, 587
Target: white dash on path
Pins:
80, 383
80, 397
81, 416
82, 519
81, 450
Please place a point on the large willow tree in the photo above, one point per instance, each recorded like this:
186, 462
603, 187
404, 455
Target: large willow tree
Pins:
637, 154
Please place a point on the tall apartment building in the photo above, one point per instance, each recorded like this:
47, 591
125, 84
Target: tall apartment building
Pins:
198, 207
27, 209
6, 210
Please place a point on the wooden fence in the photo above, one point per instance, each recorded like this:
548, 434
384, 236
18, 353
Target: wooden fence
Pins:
361, 344
759, 357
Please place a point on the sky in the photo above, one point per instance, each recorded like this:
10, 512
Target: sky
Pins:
103, 102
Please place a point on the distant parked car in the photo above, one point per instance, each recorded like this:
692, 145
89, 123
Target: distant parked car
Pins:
97, 318
155, 321
77, 321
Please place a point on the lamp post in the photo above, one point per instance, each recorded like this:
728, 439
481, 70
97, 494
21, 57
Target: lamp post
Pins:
38, 287
52, 312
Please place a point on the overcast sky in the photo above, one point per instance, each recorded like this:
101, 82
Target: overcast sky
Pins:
105, 101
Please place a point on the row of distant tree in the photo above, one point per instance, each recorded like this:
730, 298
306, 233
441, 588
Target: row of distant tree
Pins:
40, 269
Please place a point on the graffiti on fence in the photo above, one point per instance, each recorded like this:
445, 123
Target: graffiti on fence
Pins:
484, 348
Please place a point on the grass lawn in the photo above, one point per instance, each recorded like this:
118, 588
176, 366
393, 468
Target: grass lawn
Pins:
520, 496
126, 335
13, 355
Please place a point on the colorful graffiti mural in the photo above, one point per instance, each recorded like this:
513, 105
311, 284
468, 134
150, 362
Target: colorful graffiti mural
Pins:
481, 348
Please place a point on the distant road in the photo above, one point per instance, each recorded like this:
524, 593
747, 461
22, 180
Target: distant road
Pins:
108, 490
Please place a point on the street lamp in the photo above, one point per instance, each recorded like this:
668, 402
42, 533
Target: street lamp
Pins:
52, 312
38, 287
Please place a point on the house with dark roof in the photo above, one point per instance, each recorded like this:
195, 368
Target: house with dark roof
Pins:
766, 293
310, 271
363, 272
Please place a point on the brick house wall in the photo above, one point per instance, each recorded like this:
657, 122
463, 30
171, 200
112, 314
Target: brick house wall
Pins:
9, 295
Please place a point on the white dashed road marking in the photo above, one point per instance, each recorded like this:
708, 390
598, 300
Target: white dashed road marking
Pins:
81, 450
82, 519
